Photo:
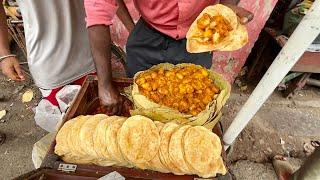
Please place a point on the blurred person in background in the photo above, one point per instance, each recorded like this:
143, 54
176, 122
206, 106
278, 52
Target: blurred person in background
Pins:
58, 51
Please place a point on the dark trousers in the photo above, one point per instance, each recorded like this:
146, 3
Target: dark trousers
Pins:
147, 47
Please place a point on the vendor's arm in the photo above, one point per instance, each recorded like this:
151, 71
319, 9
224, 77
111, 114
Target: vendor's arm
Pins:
124, 15
10, 66
244, 15
99, 18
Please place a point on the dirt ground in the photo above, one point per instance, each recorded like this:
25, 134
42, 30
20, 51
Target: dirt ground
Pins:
19, 126
280, 127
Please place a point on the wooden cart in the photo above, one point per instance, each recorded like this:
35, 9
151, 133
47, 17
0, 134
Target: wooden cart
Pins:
54, 168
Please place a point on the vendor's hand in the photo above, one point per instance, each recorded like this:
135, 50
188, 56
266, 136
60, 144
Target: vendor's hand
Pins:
11, 68
244, 15
110, 97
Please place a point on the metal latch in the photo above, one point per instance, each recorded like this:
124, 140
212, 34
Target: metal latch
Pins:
67, 167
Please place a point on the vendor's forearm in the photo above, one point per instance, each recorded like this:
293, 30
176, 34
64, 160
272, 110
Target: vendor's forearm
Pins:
233, 2
124, 15
100, 42
4, 43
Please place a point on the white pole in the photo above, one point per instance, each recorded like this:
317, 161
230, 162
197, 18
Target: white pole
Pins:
302, 37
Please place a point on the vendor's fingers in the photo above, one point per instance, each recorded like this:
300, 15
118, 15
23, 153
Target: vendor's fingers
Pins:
245, 20
112, 110
120, 107
244, 15
115, 110
19, 72
11, 74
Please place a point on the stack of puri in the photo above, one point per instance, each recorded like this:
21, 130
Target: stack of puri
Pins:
139, 142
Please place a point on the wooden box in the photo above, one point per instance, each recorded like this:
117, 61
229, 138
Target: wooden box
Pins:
54, 168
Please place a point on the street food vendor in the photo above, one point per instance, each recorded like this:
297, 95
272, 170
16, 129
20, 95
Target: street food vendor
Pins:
159, 36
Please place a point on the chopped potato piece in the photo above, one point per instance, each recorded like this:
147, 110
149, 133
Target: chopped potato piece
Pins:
204, 21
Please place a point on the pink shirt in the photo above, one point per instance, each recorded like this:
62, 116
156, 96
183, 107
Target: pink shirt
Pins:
171, 17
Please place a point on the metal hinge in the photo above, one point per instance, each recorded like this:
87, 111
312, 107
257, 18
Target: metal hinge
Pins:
67, 167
